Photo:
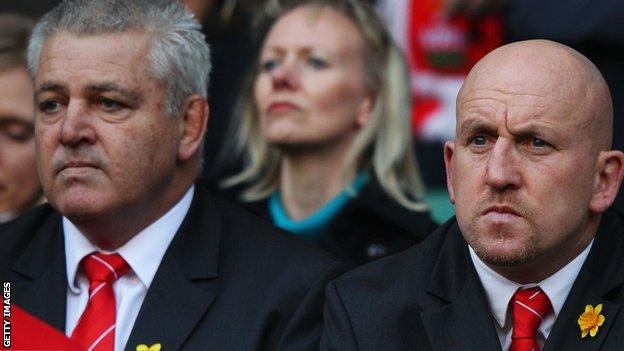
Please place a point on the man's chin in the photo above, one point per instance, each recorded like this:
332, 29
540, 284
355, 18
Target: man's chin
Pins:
79, 208
76, 213
505, 253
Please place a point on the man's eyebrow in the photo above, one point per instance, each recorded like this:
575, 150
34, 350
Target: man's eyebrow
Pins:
50, 86
535, 128
476, 124
113, 87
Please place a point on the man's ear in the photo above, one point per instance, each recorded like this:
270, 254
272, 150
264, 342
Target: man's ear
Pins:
449, 149
607, 181
192, 126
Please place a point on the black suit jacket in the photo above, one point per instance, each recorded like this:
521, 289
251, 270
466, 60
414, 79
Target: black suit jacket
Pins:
227, 281
430, 298
370, 226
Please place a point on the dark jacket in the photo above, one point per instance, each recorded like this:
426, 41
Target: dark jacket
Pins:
228, 281
370, 226
430, 298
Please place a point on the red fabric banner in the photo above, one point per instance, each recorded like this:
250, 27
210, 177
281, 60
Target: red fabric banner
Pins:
27, 332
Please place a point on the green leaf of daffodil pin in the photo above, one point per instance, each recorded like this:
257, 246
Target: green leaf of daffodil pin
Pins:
590, 320
143, 347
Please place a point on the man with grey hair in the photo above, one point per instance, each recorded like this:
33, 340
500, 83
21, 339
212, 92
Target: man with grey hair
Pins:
130, 251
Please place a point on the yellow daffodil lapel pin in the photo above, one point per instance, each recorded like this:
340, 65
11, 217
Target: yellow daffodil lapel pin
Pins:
590, 320
143, 347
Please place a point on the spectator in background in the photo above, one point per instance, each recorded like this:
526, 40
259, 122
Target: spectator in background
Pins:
19, 184
442, 40
231, 29
326, 134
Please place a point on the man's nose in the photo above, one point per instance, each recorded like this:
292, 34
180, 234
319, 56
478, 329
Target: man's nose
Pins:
76, 125
503, 170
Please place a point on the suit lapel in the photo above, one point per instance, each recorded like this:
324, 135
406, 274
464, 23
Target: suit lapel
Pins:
465, 322
570, 338
43, 266
185, 284
602, 274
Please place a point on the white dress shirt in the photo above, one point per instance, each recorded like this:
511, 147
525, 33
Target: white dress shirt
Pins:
143, 254
499, 291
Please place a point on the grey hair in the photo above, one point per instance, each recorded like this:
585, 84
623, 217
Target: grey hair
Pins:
179, 57
384, 145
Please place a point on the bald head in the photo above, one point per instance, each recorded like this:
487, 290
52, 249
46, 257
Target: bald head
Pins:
531, 170
560, 76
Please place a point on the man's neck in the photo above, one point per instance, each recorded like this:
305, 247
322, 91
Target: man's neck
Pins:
109, 231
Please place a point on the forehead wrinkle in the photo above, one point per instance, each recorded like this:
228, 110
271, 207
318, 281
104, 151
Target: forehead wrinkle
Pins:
513, 105
527, 109
475, 123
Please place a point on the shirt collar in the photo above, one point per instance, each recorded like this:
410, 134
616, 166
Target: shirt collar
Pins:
143, 252
499, 289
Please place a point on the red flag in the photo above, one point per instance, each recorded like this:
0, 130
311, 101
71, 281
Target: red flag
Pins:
27, 332
441, 49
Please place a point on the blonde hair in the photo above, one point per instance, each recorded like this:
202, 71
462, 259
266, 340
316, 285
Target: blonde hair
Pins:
384, 143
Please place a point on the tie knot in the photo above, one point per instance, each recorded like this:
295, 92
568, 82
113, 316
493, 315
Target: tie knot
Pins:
529, 307
101, 267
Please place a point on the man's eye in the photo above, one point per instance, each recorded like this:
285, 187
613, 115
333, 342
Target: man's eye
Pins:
479, 140
50, 106
536, 142
317, 63
109, 105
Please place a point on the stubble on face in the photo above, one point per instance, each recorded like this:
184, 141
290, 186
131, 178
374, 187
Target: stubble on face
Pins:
531, 98
502, 244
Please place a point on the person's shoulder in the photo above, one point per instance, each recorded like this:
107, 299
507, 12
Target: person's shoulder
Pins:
24, 227
393, 289
417, 224
246, 234
17, 234
614, 219
409, 270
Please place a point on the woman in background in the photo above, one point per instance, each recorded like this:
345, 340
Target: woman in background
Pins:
19, 183
325, 133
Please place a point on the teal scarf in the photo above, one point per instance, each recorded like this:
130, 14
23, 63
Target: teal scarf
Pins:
312, 227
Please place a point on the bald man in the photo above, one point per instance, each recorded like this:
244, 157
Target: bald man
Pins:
534, 259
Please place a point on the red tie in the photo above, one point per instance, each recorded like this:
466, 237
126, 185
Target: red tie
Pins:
530, 306
95, 330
